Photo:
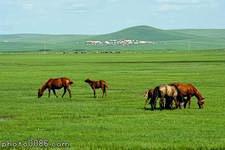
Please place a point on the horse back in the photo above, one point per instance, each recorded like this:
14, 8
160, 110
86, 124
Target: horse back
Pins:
58, 83
168, 90
104, 83
66, 81
101, 83
185, 88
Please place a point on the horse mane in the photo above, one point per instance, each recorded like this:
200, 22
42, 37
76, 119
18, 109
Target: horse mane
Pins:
45, 86
174, 85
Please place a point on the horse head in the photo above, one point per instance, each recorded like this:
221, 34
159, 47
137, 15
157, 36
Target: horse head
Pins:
146, 94
201, 102
40, 93
87, 80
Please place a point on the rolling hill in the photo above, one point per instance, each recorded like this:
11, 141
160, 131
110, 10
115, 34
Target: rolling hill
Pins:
191, 39
144, 33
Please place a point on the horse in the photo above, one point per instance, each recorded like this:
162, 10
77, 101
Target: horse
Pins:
167, 92
96, 85
148, 95
56, 83
189, 90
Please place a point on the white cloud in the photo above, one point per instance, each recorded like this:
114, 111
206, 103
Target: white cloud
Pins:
113, 1
180, 2
168, 7
26, 4
75, 6
176, 5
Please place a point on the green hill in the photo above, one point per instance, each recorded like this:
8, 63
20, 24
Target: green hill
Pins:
191, 39
144, 33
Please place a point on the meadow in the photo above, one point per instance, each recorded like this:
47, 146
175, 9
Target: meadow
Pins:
119, 120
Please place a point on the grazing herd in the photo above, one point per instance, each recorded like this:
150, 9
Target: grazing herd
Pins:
174, 95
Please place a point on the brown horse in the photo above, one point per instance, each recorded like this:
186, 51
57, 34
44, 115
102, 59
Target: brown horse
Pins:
57, 83
189, 90
164, 92
96, 85
148, 95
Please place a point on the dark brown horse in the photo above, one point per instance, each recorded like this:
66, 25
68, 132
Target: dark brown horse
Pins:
54, 84
96, 85
148, 95
188, 91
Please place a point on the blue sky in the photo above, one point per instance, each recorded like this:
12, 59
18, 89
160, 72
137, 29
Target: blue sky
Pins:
105, 16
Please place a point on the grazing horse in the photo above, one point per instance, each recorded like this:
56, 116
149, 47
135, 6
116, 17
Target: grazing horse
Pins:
96, 85
57, 83
167, 92
189, 90
148, 95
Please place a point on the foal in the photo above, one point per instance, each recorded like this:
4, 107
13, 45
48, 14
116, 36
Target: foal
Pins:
96, 85
57, 83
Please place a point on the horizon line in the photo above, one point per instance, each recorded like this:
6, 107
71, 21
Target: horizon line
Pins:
83, 34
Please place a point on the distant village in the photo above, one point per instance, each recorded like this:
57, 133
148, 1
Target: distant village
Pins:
119, 42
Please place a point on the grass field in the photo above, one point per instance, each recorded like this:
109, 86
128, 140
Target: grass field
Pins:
119, 120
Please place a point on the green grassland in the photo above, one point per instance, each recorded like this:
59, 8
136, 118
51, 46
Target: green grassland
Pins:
119, 120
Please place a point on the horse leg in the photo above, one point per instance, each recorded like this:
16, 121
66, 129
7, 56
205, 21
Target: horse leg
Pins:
152, 102
54, 93
105, 90
187, 101
68, 89
161, 103
177, 103
146, 102
168, 102
64, 92
49, 92
94, 92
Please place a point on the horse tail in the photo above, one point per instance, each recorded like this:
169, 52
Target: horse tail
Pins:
106, 85
70, 82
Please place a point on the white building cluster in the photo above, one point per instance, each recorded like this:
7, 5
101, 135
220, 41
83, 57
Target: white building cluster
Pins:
118, 42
